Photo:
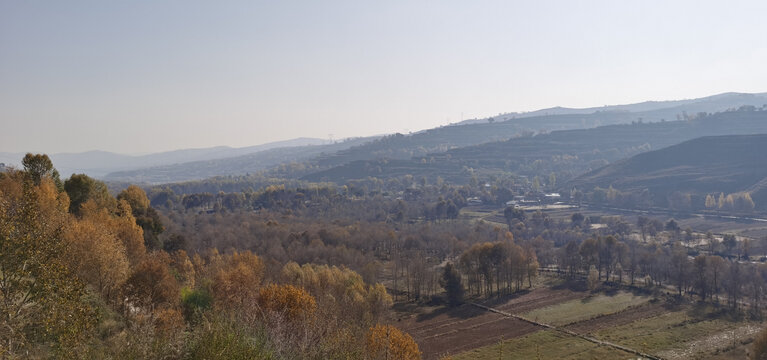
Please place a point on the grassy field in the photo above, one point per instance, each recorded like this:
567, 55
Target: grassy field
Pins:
582, 309
674, 330
544, 344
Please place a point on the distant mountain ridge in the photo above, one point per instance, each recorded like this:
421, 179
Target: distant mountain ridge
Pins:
99, 163
230, 166
655, 110
401, 148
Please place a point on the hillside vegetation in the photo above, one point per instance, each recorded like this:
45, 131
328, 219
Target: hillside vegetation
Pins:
700, 167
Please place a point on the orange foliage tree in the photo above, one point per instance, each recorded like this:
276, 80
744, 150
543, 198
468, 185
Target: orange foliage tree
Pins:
385, 342
151, 285
293, 303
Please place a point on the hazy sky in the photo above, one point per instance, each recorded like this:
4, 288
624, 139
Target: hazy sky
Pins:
140, 76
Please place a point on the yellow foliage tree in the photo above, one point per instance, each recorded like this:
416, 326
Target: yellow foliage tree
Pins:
121, 224
340, 289
184, 268
97, 256
136, 197
385, 342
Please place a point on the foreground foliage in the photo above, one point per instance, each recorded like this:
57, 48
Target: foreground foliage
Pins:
83, 280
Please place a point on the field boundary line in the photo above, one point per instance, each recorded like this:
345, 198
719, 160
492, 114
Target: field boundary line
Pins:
568, 332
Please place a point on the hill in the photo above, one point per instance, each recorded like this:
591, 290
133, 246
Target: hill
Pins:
567, 153
511, 125
707, 165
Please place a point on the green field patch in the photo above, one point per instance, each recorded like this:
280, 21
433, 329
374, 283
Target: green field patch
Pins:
544, 344
583, 309
667, 331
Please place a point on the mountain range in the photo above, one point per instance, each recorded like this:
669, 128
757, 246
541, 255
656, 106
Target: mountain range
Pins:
99, 163
508, 141
401, 148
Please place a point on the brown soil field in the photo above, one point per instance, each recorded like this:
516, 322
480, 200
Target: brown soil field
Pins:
452, 331
535, 299
463, 328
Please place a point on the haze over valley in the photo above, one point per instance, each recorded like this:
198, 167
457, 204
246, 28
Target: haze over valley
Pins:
383, 181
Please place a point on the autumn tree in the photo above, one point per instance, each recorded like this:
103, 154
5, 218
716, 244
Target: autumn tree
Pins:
119, 223
710, 202
146, 216
97, 256
339, 289
385, 342
238, 279
151, 285
289, 302
40, 300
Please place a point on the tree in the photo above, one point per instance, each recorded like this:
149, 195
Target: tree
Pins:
710, 202
730, 242
716, 267
120, 223
512, 213
145, 215
291, 303
97, 256
385, 342
151, 285
642, 222
592, 281
136, 197
700, 264
680, 267
451, 281
40, 166
577, 219
81, 188
238, 279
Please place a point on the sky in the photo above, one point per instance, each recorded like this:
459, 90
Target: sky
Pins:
148, 76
